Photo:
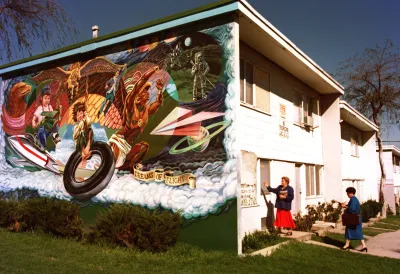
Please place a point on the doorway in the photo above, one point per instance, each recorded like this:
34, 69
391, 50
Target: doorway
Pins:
297, 190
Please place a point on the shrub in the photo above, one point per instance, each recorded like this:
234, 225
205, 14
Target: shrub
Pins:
389, 211
328, 212
370, 209
397, 209
137, 227
6, 211
259, 239
304, 223
55, 217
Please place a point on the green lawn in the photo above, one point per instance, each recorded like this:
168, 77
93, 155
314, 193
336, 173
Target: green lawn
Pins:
385, 226
391, 220
372, 232
35, 253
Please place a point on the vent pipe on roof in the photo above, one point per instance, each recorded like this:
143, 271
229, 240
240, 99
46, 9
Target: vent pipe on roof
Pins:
95, 31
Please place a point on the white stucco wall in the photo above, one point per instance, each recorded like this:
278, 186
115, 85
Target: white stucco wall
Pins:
390, 178
259, 133
331, 147
359, 171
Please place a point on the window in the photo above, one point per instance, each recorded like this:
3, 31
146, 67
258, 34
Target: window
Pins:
306, 110
313, 180
261, 79
254, 86
249, 83
298, 108
354, 141
265, 174
396, 164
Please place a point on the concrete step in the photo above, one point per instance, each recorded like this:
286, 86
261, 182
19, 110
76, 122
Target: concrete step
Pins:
268, 250
319, 225
299, 236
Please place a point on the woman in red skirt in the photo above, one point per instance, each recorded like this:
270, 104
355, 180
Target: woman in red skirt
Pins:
285, 195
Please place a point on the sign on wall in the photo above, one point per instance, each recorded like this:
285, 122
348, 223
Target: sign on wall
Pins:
283, 129
248, 182
282, 111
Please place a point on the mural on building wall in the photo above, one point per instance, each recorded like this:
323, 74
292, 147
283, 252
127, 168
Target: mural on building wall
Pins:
150, 125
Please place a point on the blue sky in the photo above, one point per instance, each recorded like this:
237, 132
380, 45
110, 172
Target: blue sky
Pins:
327, 31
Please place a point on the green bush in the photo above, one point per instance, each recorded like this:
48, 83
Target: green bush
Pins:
55, 217
370, 209
326, 212
397, 209
304, 222
6, 212
137, 227
389, 211
258, 240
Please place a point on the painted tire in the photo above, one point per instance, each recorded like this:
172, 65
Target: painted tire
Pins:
84, 190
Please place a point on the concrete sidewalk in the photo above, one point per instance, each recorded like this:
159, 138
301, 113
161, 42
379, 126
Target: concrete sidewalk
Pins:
385, 245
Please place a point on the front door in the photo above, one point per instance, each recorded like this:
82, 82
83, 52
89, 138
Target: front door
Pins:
297, 191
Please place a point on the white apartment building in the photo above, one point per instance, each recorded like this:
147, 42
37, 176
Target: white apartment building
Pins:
358, 154
288, 125
391, 163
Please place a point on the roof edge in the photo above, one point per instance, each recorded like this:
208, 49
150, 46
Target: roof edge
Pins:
149, 24
255, 13
392, 148
346, 106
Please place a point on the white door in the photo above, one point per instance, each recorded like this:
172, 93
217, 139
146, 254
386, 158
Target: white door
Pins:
296, 204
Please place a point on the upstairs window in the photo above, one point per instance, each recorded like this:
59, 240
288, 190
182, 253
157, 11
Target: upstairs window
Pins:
254, 86
305, 110
396, 164
298, 108
354, 142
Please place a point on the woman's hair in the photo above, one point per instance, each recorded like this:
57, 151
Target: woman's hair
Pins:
351, 190
286, 179
78, 107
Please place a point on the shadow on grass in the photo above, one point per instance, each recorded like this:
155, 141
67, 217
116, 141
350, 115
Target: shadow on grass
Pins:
332, 241
335, 239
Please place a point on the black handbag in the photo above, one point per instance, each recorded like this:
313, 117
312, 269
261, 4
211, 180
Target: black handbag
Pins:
350, 219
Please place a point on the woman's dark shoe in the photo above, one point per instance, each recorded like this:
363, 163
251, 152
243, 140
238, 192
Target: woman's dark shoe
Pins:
345, 248
364, 249
289, 233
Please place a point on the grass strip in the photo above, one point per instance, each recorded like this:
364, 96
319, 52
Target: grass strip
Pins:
385, 226
372, 232
35, 253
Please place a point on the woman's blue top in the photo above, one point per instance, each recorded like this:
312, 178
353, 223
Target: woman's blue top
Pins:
285, 203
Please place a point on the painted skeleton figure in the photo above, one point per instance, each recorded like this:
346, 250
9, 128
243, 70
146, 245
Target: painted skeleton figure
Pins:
176, 56
200, 69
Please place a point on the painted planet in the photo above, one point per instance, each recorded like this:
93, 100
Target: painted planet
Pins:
195, 139
188, 41
201, 142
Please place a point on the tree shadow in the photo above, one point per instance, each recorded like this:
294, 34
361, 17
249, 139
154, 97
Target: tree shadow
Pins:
270, 216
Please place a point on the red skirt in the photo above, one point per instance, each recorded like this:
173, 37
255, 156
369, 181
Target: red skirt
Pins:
284, 219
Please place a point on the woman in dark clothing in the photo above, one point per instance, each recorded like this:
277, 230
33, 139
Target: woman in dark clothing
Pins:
285, 195
353, 232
